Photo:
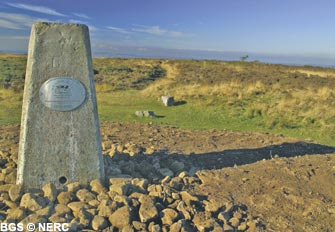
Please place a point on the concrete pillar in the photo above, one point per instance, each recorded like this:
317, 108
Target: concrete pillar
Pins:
60, 137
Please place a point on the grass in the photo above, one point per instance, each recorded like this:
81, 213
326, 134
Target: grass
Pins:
10, 106
241, 96
204, 114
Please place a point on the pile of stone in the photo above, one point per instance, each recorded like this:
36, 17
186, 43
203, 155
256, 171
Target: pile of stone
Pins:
147, 193
125, 204
132, 160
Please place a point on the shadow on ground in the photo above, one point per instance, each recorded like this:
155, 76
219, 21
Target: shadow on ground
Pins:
162, 163
179, 103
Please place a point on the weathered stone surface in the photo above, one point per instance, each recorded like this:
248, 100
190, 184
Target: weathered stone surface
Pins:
105, 209
32, 202
181, 225
139, 113
168, 216
177, 166
227, 227
33, 218
73, 187
5, 187
139, 226
155, 228
85, 196
155, 190
148, 113
121, 217
204, 224
242, 227
2, 177
46, 211
176, 183
168, 100
188, 198
78, 205
10, 178
95, 203
57, 218
224, 216
148, 211
59, 146
140, 183
10, 204
166, 172
183, 209
62, 209
212, 206
50, 191
99, 223
145, 113
128, 228
84, 216
103, 196
120, 188
97, 187
183, 174
16, 214
15, 192
235, 222
64, 198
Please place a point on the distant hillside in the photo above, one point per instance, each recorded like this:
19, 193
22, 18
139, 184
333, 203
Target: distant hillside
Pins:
246, 96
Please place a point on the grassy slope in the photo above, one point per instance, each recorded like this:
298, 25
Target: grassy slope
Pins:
294, 101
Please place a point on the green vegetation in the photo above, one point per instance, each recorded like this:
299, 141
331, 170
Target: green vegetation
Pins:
242, 96
124, 74
12, 69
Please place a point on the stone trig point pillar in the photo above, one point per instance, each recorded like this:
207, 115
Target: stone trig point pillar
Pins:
60, 137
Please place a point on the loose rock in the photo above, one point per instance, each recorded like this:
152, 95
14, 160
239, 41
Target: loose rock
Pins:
121, 217
85, 196
50, 191
147, 211
97, 187
168, 216
15, 192
99, 223
16, 214
64, 198
32, 202
168, 100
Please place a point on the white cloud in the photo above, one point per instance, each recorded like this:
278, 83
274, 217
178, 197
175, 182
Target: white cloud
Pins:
17, 21
91, 27
39, 9
157, 30
7, 24
154, 30
119, 30
77, 21
80, 15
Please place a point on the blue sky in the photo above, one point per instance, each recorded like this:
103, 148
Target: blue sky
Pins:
301, 28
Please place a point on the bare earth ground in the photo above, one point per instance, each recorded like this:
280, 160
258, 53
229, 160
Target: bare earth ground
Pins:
282, 184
